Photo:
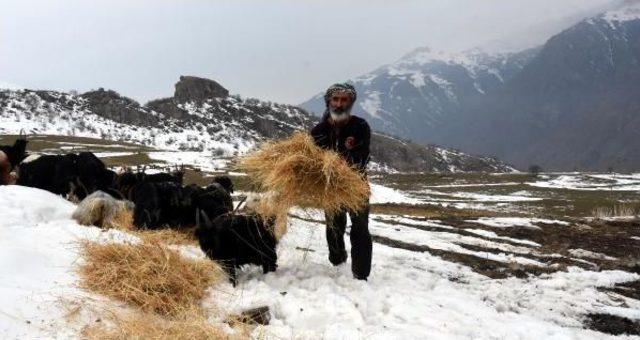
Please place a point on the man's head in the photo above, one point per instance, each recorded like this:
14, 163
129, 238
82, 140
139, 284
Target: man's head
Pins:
339, 100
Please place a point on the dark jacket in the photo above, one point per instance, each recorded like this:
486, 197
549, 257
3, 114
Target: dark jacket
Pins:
334, 138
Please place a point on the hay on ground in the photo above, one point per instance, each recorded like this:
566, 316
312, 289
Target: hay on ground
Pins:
101, 210
180, 237
146, 274
298, 173
190, 324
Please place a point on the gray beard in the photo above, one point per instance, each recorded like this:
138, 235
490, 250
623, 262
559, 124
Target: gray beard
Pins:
339, 117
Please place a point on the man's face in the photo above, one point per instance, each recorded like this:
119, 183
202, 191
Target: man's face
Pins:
340, 102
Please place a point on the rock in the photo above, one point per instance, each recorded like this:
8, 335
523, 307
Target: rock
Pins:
259, 315
111, 105
198, 90
167, 106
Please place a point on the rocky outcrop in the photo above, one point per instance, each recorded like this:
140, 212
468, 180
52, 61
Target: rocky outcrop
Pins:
168, 107
111, 105
195, 89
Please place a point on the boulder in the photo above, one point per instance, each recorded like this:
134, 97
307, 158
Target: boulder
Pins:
195, 89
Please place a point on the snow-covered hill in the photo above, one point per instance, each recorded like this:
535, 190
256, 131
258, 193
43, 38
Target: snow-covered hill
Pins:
202, 117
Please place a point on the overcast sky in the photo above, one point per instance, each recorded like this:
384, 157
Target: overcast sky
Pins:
279, 50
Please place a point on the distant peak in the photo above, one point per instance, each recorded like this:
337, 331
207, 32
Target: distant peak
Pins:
630, 10
425, 54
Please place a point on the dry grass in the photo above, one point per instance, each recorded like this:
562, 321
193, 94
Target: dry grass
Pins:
179, 237
620, 210
189, 324
298, 173
123, 220
147, 274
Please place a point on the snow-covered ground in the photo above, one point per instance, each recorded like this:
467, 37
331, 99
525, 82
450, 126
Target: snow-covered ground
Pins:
591, 182
409, 295
511, 222
416, 296
38, 257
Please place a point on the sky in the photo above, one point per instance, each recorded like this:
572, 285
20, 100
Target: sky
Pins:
279, 50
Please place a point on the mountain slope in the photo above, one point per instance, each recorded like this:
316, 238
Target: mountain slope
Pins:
418, 95
201, 116
576, 105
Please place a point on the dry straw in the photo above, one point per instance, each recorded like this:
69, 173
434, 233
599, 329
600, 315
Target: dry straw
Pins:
146, 274
296, 172
181, 237
190, 324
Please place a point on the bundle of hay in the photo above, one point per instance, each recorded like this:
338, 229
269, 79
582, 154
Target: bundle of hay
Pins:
101, 210
147, 274
296, 172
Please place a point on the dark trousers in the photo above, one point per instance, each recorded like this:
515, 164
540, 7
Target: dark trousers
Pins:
360, 241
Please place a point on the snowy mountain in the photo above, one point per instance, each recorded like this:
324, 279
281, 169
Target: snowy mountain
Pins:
201, 116
570, 104
574, 106
420, 93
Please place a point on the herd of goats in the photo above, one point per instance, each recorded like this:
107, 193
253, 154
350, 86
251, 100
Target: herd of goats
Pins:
159, 200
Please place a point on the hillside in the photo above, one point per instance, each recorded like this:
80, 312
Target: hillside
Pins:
203, 117
574, 106
419, 94
571, 104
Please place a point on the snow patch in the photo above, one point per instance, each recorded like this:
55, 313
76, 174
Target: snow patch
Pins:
510, 222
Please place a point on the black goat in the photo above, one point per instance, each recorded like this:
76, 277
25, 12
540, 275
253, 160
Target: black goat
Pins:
10, 157
17, 152
163, 204
71, 175
235, 240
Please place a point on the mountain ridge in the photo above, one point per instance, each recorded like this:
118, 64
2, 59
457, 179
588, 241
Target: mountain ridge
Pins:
206, 119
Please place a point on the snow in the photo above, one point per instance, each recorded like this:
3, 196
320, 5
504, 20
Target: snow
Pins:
445, 85
491, 234
113, 154
201, 160
591, 182
627, 13
451, 242
372, 103
409, 294
414, 296
417, 79
509, 222
411, 221
471, 185
590, 255
38, 255
381, 194
476, 197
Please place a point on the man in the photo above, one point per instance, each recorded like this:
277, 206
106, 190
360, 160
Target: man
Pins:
349, 136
